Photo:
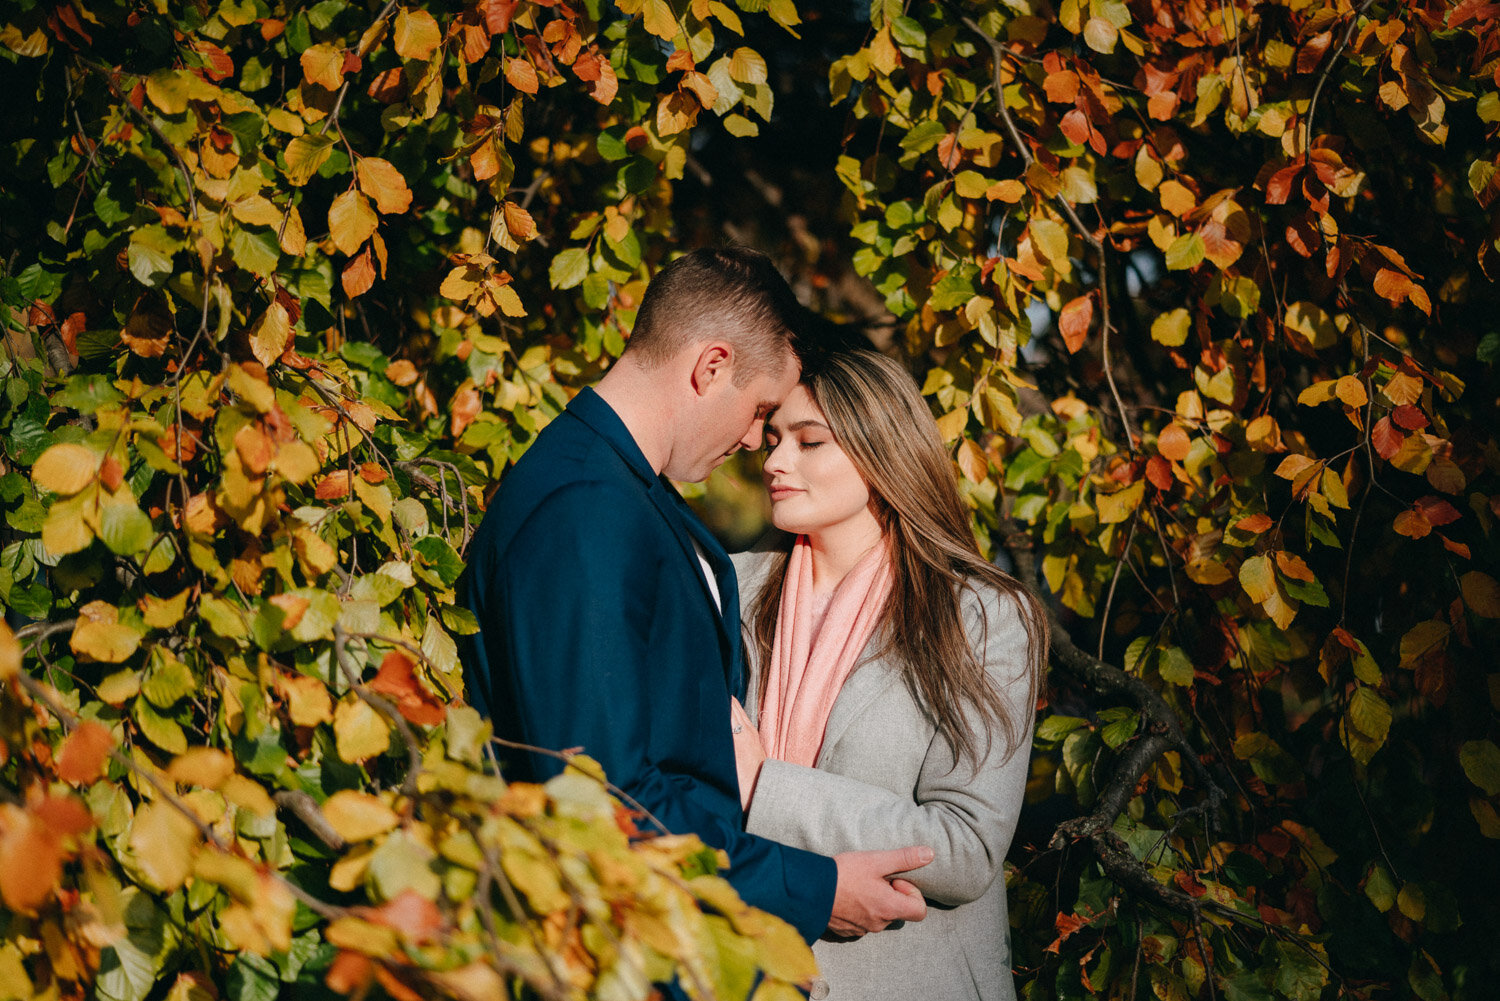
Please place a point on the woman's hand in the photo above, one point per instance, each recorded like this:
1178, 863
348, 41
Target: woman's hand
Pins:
748, 752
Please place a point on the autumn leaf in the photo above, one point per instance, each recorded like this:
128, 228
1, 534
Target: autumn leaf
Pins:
358, 816
323, 64
351, 221
383, 182
84, 753
416, 35
65, 469
271, 334
1074, 321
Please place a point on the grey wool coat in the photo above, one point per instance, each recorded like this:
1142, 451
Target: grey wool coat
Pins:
885, 779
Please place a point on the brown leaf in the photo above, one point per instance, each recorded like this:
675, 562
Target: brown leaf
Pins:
81, 759
497, 14
334, 486
1386, 439
1255, 523
1437, 510
518, 223
1159, 472
1412, 524
1409, 417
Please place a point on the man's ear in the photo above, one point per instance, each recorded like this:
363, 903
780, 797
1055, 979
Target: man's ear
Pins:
713, 366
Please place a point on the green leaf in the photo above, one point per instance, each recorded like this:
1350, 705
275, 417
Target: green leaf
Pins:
1481, 763
1057, 727
568, 268
150, 254
1185, 252
125, 528
1175, 667
923, 136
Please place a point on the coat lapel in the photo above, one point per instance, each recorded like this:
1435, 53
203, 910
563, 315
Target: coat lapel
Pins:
589, 407
870, 679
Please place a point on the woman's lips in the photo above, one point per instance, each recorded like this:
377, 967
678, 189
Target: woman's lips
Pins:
781, 493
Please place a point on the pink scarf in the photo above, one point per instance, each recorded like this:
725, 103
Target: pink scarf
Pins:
810, 661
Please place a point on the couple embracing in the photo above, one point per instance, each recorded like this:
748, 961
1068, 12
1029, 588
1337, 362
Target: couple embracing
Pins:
846, 709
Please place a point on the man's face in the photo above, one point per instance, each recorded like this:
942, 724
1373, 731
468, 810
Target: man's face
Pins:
730, 418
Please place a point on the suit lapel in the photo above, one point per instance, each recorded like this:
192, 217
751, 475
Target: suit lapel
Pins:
589, 407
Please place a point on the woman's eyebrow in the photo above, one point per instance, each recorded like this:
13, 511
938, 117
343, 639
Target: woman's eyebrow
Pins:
799, 425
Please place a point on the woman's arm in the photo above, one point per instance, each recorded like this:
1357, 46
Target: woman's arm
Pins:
966, 816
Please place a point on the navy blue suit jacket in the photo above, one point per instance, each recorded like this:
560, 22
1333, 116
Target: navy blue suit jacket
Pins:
598, 630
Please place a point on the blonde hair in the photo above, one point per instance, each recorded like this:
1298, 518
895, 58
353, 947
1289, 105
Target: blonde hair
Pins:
880, 420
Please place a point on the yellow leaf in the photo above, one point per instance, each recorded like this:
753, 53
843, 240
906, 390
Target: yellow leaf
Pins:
351, 220
1171, 328
509, 301
884, 57
247, 794
297, 461
358, 816
323, 64
1318, 392
659, 19
164, 613
164, 842
1051, 239
360, 733
1118, 506
1258, 578
1312, 323
304, 155
10, 652
65, 469
462, 282
417, 35
308, 701
270, 335
108, 642
747, 66
293, 237
201, 766
1207, 572
65, 530
362, 936
256, 210
1481, 593
383, 182
349, 871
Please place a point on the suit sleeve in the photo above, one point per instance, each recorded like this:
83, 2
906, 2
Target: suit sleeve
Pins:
966, 816
581, 591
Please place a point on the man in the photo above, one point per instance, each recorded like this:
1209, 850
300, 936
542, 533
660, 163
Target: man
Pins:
609, 616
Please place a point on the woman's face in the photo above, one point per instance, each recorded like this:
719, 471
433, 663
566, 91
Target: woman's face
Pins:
814, 486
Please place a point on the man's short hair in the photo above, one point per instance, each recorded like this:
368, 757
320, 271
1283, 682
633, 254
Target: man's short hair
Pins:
729, 292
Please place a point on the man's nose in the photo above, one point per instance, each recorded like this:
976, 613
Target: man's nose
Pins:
752, 438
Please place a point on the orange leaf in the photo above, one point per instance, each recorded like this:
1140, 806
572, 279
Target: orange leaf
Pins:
349, 972
402, 372
1351, 390
323, 65
1173, 442
1412, 524
1159, 472
254, 448
359, 274
381, 180
413, 915
1294, 567
1293, 466
1255, 523
518, 223
30, 861
417, 35
1409, 417
82, 757
333, 486
351, 220
466, 406
397, 679
1074, 321
522, 75
1061, 87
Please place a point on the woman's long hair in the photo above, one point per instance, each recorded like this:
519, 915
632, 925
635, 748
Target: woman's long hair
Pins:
882, 423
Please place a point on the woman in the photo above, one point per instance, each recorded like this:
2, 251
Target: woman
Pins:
894, 675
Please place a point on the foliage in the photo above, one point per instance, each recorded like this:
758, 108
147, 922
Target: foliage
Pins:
1245, 254
278, 308
1201, 294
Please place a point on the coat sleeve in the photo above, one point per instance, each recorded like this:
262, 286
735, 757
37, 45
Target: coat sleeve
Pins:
573, 604
966, 815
